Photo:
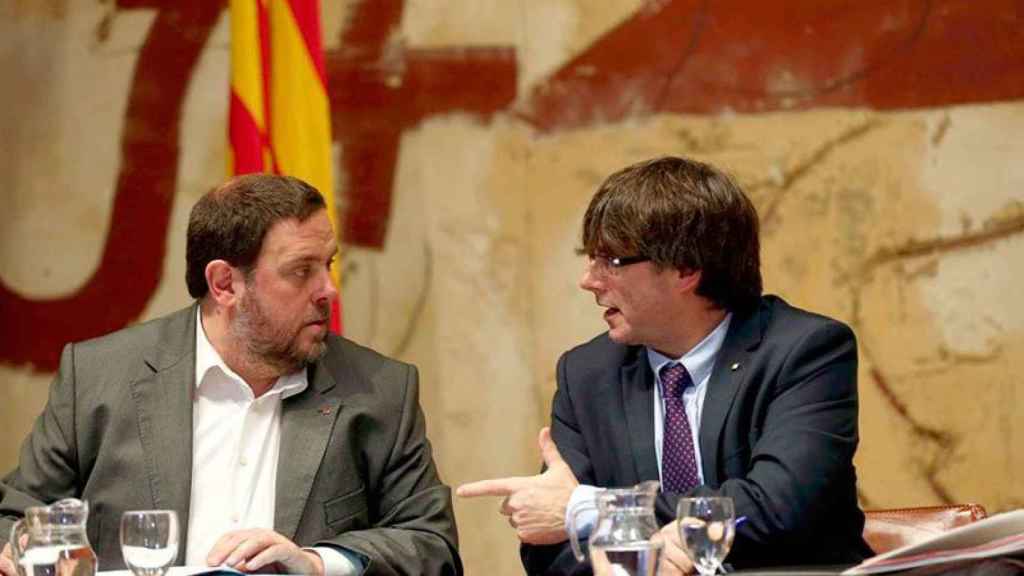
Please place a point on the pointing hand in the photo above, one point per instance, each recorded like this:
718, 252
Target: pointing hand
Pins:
535, 505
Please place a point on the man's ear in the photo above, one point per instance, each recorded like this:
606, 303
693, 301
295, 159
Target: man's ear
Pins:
689, 280
225, 282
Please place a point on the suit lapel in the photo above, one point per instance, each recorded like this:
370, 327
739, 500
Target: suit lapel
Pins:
727, 374
307, 420
163, 405
637, 383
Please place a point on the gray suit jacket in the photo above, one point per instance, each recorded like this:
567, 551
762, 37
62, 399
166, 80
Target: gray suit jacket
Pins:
355, 467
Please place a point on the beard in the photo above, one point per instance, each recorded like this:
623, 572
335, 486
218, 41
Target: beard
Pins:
272, 344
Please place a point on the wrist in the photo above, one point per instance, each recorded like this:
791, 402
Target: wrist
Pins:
316, 562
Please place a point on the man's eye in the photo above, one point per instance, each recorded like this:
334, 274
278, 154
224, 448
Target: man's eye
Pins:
302, 272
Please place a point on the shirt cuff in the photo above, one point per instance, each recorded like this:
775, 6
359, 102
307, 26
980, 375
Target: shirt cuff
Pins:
338, 561
581, 510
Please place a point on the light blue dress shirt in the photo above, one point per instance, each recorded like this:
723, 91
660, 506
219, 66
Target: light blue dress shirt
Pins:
698, 362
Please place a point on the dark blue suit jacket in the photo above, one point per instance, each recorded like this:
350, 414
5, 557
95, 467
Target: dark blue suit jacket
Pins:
777, 434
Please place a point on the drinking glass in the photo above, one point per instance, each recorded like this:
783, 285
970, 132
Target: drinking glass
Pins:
149, 541
707, 526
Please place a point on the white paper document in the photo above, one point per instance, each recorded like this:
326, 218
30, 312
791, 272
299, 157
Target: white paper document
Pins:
998, 535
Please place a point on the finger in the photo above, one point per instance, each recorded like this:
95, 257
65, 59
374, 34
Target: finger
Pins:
676, 557
672, 553
494, 487
235, 547
7, 562
224, 546
548, 449
276, 553
666, 568
505, 510
7, 566
247, 549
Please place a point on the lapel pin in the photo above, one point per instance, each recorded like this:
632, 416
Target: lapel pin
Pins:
325, 410
735, 366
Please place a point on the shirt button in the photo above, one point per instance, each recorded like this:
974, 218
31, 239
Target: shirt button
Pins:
243, 461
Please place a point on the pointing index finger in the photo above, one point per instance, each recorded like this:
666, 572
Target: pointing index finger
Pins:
493, 487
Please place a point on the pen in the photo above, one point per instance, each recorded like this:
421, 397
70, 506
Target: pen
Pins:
740, 520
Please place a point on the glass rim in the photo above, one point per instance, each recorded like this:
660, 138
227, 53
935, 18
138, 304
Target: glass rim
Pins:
725, 503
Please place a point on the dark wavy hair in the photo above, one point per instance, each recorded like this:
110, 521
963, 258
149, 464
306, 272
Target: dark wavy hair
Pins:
229, 222
685, 215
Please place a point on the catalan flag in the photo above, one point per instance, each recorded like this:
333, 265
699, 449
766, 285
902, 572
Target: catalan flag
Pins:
279, 114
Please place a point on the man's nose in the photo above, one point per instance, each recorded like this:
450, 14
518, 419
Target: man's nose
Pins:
327, 290
589, 281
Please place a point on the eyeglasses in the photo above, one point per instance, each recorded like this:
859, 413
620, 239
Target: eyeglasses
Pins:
605, 265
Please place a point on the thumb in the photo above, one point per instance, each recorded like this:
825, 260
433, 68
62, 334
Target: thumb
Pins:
548, 450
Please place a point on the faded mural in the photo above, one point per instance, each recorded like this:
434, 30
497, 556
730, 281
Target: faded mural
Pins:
879, 141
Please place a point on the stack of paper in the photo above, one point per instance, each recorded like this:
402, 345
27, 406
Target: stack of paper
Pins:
999, 535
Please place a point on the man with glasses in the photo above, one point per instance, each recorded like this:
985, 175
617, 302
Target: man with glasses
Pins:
700, 383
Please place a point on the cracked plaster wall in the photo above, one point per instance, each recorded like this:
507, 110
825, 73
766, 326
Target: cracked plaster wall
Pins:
907, 225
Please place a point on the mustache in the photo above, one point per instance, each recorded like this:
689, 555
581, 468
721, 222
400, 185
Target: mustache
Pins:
322, 314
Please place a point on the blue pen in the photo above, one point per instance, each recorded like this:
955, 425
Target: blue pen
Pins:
740, 520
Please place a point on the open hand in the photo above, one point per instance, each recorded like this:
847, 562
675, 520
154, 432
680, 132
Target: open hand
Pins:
535, 505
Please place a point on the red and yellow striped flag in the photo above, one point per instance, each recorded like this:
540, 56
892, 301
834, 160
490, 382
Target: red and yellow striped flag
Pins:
280, 117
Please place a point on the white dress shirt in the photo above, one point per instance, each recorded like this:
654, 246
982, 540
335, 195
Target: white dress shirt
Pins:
698, 362
235, 441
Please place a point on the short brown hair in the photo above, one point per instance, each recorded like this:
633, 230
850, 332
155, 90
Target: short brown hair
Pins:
229, 222
685, 215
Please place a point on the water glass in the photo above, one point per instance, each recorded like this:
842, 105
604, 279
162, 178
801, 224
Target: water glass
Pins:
149, 541
707, 526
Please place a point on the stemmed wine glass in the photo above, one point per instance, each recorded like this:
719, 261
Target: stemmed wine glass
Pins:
707, 526
149, 541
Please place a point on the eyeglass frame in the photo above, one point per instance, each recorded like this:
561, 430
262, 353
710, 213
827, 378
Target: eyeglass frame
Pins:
605, 265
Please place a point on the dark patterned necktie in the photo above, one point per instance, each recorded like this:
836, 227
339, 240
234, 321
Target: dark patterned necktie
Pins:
678, 463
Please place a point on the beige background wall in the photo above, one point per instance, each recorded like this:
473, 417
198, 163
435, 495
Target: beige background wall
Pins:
907, 224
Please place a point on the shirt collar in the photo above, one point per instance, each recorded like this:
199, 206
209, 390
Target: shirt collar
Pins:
208, 358
700, 359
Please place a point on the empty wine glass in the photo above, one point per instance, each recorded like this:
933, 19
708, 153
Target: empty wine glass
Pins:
707, 526
149, 541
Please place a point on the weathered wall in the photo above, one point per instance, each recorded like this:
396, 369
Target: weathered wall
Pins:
882, 150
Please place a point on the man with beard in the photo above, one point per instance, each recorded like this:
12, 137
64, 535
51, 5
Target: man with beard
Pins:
701, 383
280, 446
